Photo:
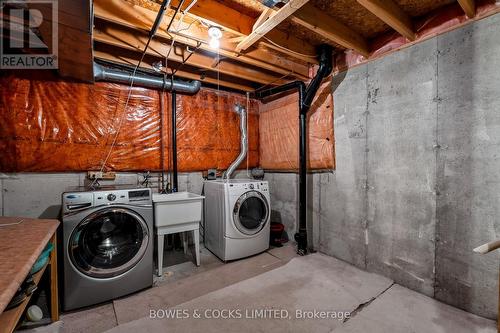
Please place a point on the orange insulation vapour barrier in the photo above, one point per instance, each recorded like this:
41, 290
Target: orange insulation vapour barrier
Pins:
49, 125
279, 132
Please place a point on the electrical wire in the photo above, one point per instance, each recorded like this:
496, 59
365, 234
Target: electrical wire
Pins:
288, 50
270, 83
175, 14
177, 31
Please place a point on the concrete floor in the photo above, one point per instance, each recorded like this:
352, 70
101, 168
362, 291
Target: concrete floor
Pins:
273, 280
313, 283
181, 281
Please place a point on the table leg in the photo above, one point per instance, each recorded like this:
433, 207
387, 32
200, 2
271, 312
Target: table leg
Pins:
54, 297
161, 239
196, 239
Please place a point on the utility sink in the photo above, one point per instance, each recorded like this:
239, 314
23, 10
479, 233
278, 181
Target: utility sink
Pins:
177, 208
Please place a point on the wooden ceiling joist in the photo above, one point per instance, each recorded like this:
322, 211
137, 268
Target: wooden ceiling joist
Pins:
112, 57
74, 36
262, 17
240, 24
294, 47
279, 16
390, 12
213, 11
469, 7
329, 28
132, 16
122, 38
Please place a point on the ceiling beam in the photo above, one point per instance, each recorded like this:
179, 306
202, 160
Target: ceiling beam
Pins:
329, 28
469, 7
120, 59
124, 38
136, 17
279, 16
390, 12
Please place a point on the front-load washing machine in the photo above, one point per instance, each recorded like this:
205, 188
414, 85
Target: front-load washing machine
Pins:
237, 214
107, 244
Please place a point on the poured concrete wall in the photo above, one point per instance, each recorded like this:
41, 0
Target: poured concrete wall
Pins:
468, 168
417, 182
284, 194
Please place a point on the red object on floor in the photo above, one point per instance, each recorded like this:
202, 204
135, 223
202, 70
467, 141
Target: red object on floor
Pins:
276, 236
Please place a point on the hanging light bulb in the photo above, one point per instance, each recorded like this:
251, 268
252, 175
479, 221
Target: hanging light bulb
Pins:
214, 43
215, 34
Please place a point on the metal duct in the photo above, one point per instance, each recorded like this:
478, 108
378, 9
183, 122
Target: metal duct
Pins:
102, 73
244, 142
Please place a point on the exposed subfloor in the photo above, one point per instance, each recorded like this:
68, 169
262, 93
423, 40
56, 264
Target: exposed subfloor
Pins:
277, 280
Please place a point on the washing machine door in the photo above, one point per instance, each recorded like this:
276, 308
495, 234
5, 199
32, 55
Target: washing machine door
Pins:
250, 213
108, 242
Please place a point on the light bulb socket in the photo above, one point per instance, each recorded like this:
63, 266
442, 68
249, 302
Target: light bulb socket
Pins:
215, 32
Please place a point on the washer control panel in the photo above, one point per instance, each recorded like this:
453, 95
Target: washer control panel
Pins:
75, 201
121, 196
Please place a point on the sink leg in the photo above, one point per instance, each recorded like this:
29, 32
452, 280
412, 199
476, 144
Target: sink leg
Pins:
161, 239
185, 242
196, 239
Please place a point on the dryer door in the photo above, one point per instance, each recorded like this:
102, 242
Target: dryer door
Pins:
250, 213
108, 242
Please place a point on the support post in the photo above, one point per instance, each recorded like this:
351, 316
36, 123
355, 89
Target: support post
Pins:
175, 186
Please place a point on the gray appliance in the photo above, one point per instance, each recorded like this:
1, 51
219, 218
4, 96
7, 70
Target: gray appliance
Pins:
107, 244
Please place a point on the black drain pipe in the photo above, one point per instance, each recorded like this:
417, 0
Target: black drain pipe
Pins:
306, 96
175, 187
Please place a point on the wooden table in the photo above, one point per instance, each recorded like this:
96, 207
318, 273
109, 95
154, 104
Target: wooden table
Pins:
22, 240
